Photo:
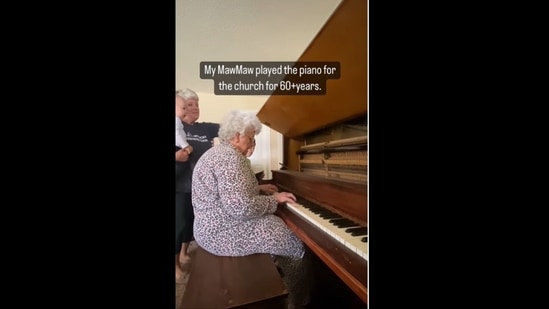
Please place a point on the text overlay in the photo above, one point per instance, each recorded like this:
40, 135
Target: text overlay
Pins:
270, 78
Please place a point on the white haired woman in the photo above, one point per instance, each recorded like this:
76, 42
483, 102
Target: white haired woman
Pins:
232, 218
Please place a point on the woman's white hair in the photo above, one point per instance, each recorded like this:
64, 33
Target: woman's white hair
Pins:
187, 94
237, 121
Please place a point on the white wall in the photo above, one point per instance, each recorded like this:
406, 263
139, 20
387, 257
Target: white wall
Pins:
213, 107
243, 30
268, 150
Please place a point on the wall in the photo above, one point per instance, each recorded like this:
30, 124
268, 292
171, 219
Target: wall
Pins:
243, 30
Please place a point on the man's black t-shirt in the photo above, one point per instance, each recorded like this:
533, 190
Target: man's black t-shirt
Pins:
200, 136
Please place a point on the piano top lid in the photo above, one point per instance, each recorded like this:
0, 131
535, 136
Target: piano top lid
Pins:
342, 39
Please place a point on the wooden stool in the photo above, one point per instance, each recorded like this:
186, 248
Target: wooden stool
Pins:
243, 282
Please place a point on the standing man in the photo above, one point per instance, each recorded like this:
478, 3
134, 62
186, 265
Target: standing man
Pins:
200, 136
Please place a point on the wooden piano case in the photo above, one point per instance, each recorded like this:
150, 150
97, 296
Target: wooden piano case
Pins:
325, 139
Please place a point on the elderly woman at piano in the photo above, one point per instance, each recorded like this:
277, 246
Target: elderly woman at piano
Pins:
232, 218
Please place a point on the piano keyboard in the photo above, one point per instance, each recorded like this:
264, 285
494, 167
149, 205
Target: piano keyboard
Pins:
348, 233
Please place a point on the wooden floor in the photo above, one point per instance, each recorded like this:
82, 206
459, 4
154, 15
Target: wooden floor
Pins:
328, 290
180, 287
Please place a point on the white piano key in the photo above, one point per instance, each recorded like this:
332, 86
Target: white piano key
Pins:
321, 223
339, 234
361, 248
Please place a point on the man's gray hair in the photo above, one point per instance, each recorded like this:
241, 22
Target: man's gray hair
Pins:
187, 94
237, 121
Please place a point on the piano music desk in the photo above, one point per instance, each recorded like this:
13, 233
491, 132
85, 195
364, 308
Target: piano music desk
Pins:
246, 282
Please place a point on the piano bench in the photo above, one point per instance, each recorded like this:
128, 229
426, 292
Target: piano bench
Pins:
245, 282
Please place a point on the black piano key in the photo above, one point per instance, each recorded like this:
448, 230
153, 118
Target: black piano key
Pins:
321, 210
345, 224
343, 221
306, 204
330, 216
350, 230
357, 231
364, 239
324, 211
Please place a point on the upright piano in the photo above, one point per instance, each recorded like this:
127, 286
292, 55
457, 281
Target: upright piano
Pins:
325, 141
